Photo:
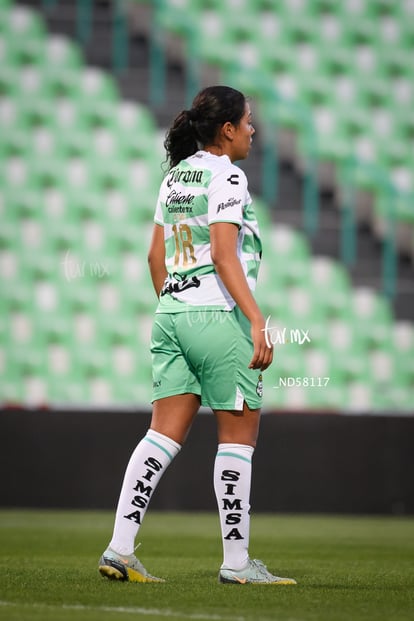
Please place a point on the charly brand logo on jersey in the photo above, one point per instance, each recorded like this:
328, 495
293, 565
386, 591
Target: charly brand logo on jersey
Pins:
185, 176
259, 386
233, 179
230, 203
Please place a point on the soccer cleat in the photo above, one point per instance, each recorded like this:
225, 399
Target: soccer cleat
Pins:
124, 567
255, 573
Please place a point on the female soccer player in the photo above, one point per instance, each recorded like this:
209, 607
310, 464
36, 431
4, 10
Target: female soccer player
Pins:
208, 345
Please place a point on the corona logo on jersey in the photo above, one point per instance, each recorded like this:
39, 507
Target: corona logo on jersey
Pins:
184, 176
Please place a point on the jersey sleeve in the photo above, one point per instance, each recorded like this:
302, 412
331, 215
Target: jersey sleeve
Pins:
158, 216
227, 196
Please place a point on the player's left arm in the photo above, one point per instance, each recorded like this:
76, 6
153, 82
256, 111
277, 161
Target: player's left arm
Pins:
156, 258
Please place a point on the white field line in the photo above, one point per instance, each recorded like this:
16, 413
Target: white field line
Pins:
128, 610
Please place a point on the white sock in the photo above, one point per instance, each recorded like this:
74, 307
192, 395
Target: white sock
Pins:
148, 463
232, 477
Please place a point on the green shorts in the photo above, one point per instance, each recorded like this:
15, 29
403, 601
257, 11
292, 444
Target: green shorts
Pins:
206, 353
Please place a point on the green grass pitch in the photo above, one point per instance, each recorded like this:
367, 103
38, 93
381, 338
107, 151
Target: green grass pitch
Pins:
347, 568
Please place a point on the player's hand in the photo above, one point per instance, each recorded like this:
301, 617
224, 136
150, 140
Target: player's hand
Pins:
262, 353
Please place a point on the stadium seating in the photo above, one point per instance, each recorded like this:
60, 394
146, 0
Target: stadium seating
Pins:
345, 67
77, 194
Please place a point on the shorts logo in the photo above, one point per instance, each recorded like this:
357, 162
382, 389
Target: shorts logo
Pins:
259, 386
156, 384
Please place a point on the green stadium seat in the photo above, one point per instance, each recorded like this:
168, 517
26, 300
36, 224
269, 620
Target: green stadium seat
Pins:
44, 143
6, 52
63, 83
287, 243
391, 30
405, 372
140, 299
9, 88
402, 335
14, 144
372, 317
214, 43
53, 331
27, 52
360, 397
65, 53
9, 268
97, 84
331, 281
392, 398
32, 83
15, 172
277, 60
342, 337
359, 30
370, 307
353, 367
135, 128
28, 361
289, 256
395, 62
68, 390
75, 143
177, 19
21, 22
34, 114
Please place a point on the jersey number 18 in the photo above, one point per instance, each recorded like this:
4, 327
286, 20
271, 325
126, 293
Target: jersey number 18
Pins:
183, 245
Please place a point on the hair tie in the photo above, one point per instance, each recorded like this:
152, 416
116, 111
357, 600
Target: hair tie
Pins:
192, 115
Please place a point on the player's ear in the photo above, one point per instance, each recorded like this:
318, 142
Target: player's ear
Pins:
228, 130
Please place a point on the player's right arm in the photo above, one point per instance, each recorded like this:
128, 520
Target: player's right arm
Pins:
227, 196
223, 236
156, 258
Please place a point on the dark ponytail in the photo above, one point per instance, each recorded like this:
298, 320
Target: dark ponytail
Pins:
180, 141
198, 127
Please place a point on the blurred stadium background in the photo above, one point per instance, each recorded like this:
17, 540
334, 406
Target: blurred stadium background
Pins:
87, 90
